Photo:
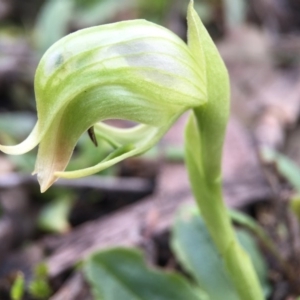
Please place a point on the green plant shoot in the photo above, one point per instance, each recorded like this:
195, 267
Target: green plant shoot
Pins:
18, 287
204, 139
139, 71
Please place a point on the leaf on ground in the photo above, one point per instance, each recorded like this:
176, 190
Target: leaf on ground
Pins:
122, 274
285, 166
17, 290
250, 246
40, 289
52, 22
196, 252
235, 12
54, 216
100, 12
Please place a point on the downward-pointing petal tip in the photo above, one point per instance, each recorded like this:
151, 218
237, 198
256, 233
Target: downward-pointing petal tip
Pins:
28, 144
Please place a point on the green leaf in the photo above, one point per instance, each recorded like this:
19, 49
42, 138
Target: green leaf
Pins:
101, 11
295, 205
285, 166
122, 274
154, 10
40, 288
260, 266
249, 223
17, 289
52, 22
199, 256
235, 12
41, 270
289, 170
54, 216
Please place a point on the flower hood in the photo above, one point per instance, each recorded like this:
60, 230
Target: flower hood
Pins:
132, 70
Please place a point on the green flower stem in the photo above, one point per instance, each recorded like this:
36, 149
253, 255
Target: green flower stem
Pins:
208, 195
204, 139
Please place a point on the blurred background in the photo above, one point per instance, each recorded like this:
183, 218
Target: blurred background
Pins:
133, 203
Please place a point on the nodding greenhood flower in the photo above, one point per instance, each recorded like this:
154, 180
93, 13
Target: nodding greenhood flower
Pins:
133, 70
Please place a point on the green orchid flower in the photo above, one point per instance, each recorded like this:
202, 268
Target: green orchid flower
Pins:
142, 72
132, 70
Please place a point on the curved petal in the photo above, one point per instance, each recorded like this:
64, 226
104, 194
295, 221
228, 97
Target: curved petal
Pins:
28, 144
